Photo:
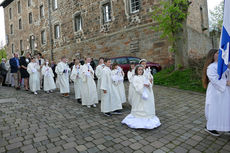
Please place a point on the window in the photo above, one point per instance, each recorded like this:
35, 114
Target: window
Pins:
106, 8
30, 18
32, 42
21, 45
134, 6
41, 11
29, 3
77, 22
121, 61
19, 7
43, 37
12, 48
133, 59
11, 29
20, 23
55, 4
57, 31
10, 13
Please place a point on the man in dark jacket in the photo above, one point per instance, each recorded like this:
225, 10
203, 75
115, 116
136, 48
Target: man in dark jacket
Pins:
3, 71
15, 67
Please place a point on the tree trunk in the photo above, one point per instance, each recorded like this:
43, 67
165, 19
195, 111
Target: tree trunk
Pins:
181, 48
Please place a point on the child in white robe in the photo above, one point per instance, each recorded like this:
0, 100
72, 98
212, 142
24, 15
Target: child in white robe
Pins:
110, 98
217, 104
48, 78
75, 77
147, 71
63, 71
88, 86
98, 72
34, 80
142, 114
131, 74
118, 80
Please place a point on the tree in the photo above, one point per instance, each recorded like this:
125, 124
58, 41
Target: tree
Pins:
2, 54
171, 17
216, 17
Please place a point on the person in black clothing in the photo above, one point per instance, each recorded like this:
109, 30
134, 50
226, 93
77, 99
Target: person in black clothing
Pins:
24, 61
53, 66
3, 71
72, 64
92, 63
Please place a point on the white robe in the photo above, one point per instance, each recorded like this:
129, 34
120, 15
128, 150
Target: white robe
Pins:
34, 79
48, 75
63, 78
148, 75
110, 101
75, 77
88, 86
131, 88
98, 74
143, 109
217, 105
8, 75
118, 80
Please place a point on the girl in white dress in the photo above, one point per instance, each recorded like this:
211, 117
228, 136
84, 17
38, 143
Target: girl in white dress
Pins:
147, 71
75, 77
217, 104
34, 79
118, 79
142, 114
131, 74
98, 72
48, 75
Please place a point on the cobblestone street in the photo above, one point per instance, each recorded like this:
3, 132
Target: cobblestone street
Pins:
50, 123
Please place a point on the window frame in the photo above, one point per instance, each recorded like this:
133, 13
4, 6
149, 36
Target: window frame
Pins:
55, 4
19, 7
20, 24
29, 2
43, 37
10, 13
59, 31
11, 29
21, 45
30, 19
131, 8
12, 48
77, 27
41, 11
107, 12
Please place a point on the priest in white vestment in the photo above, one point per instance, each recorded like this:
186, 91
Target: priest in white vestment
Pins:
142, 114
75, 77
98, 72
48, 77
110, 99
34, 80
63, 72
88, 87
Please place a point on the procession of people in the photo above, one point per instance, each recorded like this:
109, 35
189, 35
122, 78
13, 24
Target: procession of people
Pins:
36, 73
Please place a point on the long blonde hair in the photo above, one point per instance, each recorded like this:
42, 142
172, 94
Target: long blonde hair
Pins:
209, 60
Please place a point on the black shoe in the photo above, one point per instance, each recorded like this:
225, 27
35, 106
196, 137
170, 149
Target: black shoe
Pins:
18, 88
79, 101
107, 114
117, 112
212, 132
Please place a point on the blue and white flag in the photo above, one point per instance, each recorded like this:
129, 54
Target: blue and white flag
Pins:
224, 58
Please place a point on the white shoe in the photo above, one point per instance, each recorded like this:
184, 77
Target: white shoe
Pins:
51, 91
35, 93
89, 106
94, 105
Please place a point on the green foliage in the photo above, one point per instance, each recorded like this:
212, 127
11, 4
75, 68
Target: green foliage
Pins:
2, 54
170, 15
216, 17
186, 79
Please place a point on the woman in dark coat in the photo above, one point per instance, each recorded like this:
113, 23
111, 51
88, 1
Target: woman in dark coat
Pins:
24, 61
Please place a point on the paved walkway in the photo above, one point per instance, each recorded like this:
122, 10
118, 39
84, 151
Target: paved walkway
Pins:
51, 123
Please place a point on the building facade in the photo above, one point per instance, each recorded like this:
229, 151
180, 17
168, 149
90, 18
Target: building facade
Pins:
95, 28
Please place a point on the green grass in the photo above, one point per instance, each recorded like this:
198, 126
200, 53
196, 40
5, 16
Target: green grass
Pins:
186, 79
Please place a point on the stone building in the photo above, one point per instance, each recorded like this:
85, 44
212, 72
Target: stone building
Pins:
95, 28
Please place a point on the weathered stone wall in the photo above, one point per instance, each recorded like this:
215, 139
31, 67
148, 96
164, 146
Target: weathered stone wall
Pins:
127, 34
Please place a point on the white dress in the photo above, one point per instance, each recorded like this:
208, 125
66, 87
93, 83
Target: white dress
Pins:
110, 101
34, 79
131, 88
48, 75
217, 105
143, 106
8, 75
118, 80
63, 70
98, 74
75, 77
88, 86
148, 75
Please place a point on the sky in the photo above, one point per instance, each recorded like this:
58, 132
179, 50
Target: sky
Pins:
211, 5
